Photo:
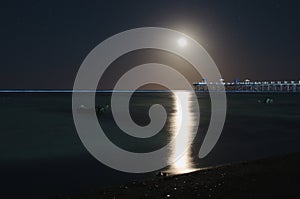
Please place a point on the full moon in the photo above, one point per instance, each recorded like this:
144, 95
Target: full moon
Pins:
182, 42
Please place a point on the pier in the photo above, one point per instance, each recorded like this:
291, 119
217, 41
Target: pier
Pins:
248, 86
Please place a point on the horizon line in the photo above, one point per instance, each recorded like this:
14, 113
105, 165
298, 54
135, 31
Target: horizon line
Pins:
128, 91
71, 91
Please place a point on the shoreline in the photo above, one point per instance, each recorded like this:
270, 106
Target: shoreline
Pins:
268, 177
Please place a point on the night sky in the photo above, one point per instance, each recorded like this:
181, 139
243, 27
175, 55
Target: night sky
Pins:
43, 43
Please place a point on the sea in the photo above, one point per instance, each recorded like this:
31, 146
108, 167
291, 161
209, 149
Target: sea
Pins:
42, 155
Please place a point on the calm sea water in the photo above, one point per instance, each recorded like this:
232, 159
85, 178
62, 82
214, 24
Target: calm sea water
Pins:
42, 154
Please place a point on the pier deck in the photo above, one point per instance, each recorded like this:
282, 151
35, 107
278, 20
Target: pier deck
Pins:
248, 86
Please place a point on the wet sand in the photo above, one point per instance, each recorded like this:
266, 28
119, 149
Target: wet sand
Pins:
272, 177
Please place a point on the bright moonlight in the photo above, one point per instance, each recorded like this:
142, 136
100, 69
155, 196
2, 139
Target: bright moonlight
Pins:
182, 42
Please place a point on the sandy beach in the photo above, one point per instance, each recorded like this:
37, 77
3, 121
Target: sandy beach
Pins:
264, 178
